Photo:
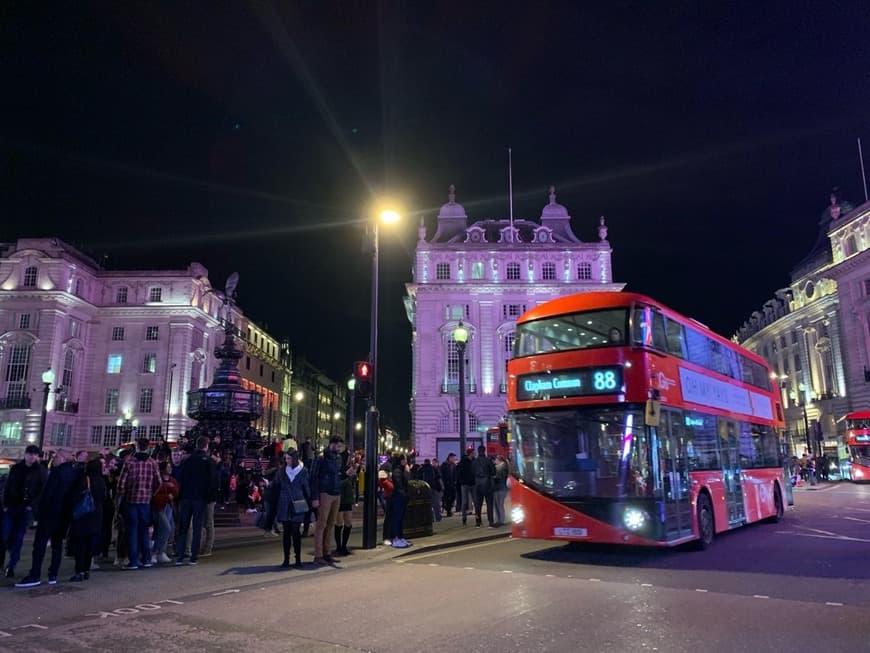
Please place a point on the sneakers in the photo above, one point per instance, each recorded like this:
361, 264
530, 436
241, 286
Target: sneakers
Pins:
205, 554
94, 565
163, 559
153, 559
121, 562
192, 562
52, 580
147, 565
28, 581
179, 562
129, 567
78, 578
10, 572
401, 544
388, 543
320, 561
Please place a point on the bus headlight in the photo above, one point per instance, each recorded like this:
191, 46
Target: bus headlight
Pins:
634, 519
518, 515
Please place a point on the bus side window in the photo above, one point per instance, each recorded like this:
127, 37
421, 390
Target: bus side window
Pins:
676, 342
660, 342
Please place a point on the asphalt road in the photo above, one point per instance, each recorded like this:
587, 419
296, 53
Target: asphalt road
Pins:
801, 584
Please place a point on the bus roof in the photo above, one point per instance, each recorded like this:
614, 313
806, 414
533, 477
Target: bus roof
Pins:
597, 300
861, 414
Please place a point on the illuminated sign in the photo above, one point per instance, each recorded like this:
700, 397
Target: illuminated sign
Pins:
707, 391
570, 383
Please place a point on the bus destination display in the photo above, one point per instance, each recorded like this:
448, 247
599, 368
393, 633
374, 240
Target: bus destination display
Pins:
570, 383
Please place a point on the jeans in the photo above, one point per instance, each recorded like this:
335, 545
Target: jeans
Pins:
191, 509
138, 521
208, 525
400, 502
15, 521
448, 499
481, 494
498, 499
436, 505
162, 528
467, 500
43, 535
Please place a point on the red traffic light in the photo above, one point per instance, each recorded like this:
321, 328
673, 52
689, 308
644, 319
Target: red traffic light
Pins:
363, 371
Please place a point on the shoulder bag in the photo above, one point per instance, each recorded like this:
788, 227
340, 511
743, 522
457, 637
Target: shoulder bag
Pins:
85, 504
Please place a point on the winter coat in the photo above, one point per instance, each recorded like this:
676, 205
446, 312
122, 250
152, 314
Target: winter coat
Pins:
400, 479
198, 477
432, 476
24, 485
465, 471
91, 524
324, 475
448, 475
501, 477
58, 496
484, 473
289, 492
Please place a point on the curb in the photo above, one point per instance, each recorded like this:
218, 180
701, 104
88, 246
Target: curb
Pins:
453, 544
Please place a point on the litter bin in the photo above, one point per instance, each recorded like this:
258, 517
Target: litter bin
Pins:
418, 514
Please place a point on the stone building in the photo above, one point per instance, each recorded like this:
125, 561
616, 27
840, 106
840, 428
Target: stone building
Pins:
485, 274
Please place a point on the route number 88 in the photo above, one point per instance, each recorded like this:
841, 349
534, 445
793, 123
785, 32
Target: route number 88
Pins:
604, 380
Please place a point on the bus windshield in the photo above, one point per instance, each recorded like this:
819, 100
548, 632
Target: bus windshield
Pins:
582, 453
574, 331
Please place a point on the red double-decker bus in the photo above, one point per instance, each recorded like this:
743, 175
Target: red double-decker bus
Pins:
858, 443
632, 424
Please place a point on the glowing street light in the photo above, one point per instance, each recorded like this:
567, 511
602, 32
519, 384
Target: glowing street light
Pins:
460, 337
47, 380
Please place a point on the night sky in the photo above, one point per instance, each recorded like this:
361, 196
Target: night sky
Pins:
251, 137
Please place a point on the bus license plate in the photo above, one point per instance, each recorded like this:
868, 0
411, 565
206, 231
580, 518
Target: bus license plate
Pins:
569, 532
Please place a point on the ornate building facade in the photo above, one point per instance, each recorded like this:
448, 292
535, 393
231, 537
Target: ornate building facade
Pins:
485, 274
123, 345
807, 337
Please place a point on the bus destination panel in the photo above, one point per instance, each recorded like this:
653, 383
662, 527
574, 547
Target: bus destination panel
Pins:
603, 380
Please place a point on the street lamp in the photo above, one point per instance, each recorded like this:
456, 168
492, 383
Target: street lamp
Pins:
351, 389
126, 426
460, 337
370, 514
47, 380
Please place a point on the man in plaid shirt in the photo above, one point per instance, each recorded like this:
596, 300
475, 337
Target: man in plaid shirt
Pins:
139, 481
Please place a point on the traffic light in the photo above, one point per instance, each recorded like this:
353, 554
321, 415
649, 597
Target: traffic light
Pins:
362, 374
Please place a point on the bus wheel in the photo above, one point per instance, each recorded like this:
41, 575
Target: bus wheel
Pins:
706, 530
777, 505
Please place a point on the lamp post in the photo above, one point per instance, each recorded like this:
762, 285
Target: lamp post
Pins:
803, 388
127, 426
169, 401
370, 514
47, 380
351, 390
460, 337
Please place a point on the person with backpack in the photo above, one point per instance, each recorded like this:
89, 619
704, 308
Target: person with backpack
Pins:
484, 482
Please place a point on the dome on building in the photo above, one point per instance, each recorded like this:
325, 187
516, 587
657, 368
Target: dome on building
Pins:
553, 209
452, 209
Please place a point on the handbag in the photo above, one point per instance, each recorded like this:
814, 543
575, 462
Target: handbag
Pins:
300, 506
85, 504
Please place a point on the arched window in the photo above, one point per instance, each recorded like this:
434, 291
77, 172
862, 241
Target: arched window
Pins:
30, 274
450, 382
584, 271
507, 351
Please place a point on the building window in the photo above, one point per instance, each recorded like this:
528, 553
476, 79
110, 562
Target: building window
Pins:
112, 401
152, 333
17, 370
584, 271
110, 436
66, 378
548, 272
512, 273
146, 400
10, 433
155, 432
261, 369
78, 290
96, 436
117, 333
477, 271
24, 321
794, 337
458, 311
797, 363
75, 328
782, 341
61, 435
114, 364
155, 295
149, 364
473, 422
121, 295
30, 277
512, 310
247, 362
442, 271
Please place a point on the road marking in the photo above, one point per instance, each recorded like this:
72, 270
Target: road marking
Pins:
594, 580
646, 584
834, 603
506, 571
842, 538
760, 596
226, 592
549, 576
412, 557
469, 568
703, 591
433, 564
863, 521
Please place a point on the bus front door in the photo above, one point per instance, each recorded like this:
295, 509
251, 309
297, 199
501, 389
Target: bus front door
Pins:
728, 437
674, 471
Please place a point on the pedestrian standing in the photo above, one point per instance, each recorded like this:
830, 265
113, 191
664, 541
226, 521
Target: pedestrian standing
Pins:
465, 475
20, 500
431, 474
293, 503
347, 495
84, 532
401, 477
139, 481
500, 488
448, 480
197, 478
162, 515
53, 518
208, 512
484, 481
325, 497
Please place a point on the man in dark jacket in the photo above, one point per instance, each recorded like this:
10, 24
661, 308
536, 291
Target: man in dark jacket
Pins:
431, 474
198, 481
448, 479
325, 496
484, 479
465, 476
54, 515
20, 500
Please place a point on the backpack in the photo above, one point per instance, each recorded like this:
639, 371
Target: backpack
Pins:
387, 487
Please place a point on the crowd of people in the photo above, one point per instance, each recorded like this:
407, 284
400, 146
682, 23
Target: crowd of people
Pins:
156, 504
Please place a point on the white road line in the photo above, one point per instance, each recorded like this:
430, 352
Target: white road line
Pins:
760, 596
646, 584
834, 603
433, 564
549, 576
469, 568
594, 580
841, 538
863, 521
702, 591
506, 571
450, 551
